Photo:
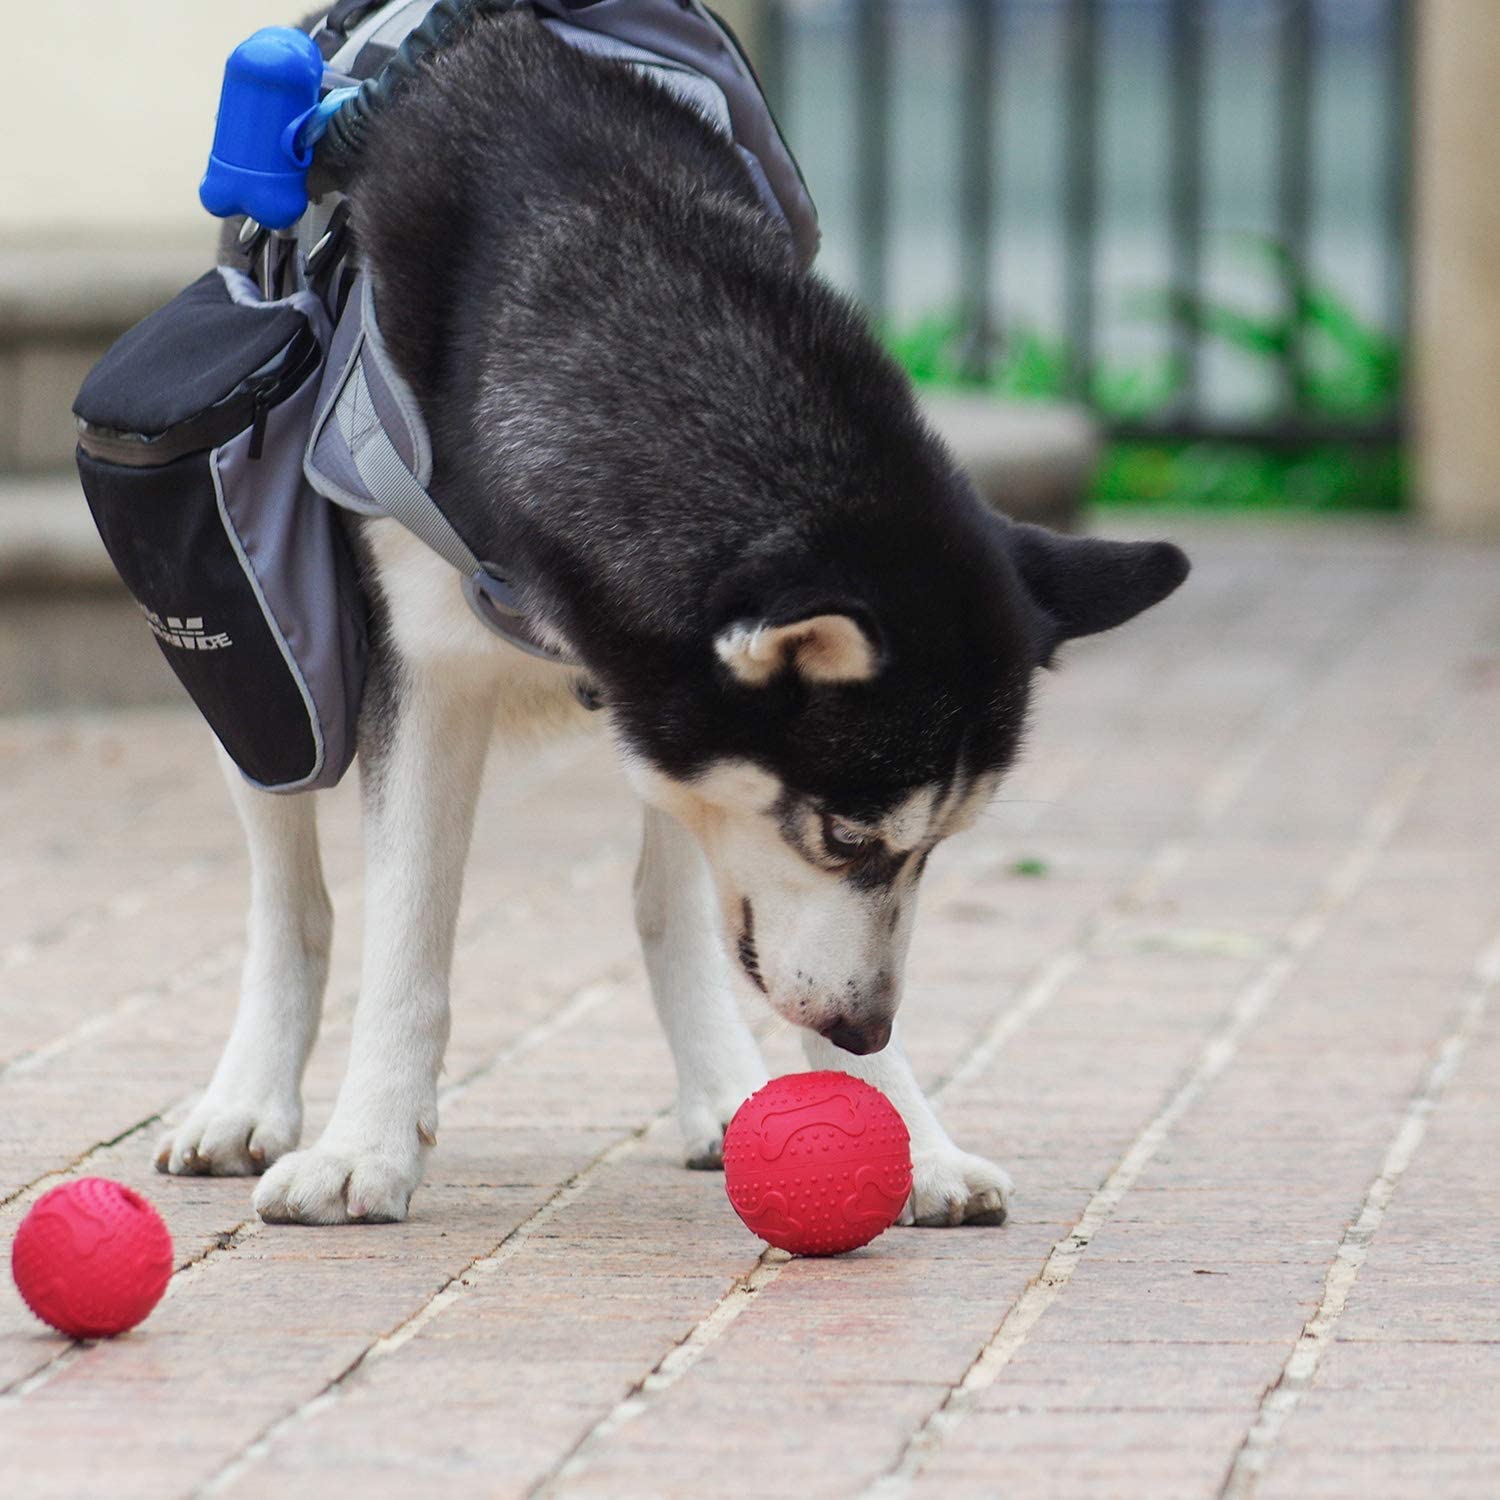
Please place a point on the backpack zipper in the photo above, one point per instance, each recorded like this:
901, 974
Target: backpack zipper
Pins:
259, 413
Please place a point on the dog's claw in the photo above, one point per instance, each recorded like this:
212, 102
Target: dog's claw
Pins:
705, 1156
228, 1140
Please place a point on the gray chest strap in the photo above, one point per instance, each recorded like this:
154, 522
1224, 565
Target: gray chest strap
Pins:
368, 451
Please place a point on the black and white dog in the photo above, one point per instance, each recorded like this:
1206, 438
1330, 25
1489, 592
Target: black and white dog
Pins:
814, 642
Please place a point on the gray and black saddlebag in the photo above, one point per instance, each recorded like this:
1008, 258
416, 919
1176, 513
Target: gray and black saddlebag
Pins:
191, 434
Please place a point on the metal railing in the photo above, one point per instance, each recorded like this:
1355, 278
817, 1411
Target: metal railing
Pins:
1291, 40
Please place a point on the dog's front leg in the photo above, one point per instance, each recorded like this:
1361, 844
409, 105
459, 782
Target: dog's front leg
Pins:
949, 1186
718, 1064
420, 772
251, 1112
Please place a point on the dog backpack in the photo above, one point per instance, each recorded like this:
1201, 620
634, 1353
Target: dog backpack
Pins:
220, 437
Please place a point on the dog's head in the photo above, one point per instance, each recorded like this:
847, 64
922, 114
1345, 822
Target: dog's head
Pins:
846, 733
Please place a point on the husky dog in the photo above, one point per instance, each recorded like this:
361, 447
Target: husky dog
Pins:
814, 644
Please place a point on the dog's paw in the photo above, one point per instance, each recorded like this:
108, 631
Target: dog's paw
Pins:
951, 1187
330, 1186
703, 1126
229, 1140
704, 1152
704, 1121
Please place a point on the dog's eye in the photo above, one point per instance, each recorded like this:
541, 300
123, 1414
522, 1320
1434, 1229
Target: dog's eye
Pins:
843, 841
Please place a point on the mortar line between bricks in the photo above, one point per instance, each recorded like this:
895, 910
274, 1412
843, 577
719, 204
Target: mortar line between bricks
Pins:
1285, 1394
1379, 824
225, 956
668, 1370
456, 1287
39, 1185
586, 999
1214, 799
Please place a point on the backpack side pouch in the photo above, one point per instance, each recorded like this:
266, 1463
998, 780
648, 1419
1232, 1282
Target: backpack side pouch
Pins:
191, 431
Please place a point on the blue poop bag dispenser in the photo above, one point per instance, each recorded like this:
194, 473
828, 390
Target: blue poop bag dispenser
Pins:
258, 165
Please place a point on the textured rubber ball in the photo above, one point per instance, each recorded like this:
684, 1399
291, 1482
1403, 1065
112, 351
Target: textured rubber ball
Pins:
92, 1258
817, 1163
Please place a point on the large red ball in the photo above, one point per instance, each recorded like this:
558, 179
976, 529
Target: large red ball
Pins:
92, 1258
817, 1163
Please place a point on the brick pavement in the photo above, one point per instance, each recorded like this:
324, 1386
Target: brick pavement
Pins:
1236, 1043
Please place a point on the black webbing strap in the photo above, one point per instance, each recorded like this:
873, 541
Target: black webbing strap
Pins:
346, 130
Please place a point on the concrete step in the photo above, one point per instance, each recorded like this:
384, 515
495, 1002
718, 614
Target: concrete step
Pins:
1033, 460
70, 636
61, 306
47, 536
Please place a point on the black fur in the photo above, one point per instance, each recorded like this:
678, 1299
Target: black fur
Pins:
642, 407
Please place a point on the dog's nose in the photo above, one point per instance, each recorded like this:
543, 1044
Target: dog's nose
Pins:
859, 1040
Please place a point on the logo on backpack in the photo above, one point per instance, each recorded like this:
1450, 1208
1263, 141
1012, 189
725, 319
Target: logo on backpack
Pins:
187, 635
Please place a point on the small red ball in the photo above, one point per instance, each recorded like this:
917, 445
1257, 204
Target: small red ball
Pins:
817, 1163
92, 1258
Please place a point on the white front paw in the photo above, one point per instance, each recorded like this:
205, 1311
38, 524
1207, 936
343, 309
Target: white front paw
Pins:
333, 1185
950, 1187
221, 1138
704, 1119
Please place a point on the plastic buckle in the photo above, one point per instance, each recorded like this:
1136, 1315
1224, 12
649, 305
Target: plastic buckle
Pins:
498, 606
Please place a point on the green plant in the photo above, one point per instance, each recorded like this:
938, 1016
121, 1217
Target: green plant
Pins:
1333, 367
1327, 477
1027, 365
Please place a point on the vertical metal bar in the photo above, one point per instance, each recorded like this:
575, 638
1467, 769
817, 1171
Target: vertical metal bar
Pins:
1187, 22
872, 106
1400, 40
772, 63
978, 61
1080, 205
1294, 94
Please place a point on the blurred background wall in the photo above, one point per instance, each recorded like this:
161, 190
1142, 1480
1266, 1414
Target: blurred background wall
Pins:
107, 111
105, 120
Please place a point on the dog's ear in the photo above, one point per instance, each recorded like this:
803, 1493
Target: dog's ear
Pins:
827, 644
1082, 585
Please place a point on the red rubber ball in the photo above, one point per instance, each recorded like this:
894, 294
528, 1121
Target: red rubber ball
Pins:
817, 1163
92, 1258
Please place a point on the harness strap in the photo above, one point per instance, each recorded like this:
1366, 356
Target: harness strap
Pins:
368, 451
395, 490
